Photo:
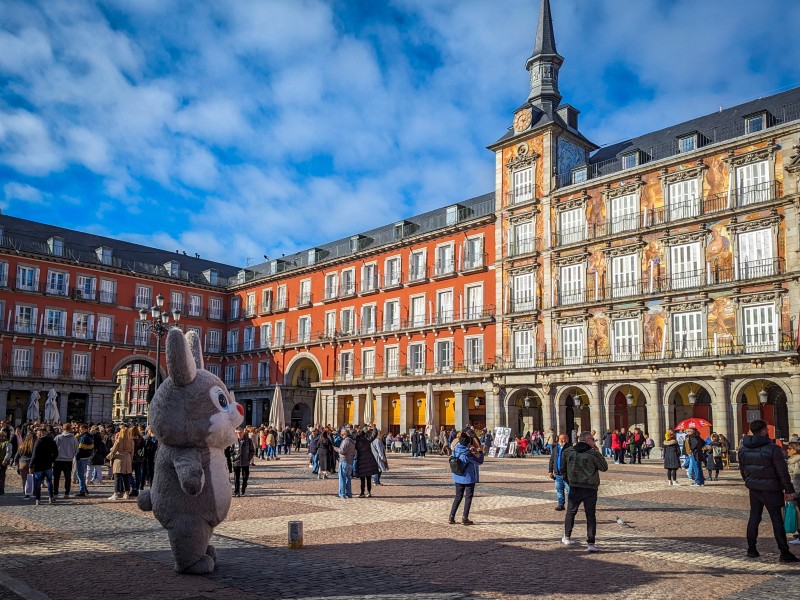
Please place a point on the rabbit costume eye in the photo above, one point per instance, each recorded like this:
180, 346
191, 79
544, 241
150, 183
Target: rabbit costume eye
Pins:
218, 396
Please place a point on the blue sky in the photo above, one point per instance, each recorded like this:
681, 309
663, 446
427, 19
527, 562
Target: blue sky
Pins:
258, 127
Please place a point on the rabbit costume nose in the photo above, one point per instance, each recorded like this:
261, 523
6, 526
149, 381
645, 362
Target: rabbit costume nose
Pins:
240, 408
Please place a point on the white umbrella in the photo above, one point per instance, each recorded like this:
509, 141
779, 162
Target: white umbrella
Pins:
51, 407
276, 413
369, 413
429, 428
318, 408
33, 406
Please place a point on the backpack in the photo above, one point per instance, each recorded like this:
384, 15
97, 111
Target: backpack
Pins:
716, 451
457, 467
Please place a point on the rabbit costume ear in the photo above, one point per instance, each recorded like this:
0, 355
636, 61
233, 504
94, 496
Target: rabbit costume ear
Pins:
194, 346
180, 362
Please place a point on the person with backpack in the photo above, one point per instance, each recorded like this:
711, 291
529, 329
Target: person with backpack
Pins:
464, 462
714, 458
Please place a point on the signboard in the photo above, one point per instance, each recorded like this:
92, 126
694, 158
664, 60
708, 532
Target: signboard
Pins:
502, 435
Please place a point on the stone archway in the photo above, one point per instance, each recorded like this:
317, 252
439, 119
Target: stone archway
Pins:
689, 399
301, 415
524, 411
764, 398
574, 411
135, 381
629, 407
303, 370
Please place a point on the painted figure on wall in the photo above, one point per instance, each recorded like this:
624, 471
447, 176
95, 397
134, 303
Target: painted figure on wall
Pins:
718, 252
598, 335
651, 269
654, 325
596, 269
716, 176
596, 215
721, 318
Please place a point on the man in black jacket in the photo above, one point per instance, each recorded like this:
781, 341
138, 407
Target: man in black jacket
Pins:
44, 455
766, 476
243, 452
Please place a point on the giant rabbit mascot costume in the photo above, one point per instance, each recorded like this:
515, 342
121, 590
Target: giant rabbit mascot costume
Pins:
194, 417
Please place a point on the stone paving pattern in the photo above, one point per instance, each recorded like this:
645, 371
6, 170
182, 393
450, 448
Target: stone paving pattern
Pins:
678, 541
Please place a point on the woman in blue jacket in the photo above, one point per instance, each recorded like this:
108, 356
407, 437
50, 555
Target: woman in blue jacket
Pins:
469, 452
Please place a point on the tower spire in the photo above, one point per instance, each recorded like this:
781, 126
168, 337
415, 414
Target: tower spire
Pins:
544, 63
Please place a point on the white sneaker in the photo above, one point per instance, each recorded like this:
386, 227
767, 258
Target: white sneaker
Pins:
113, 497
795, 541
125, 496
592, 548
566, 541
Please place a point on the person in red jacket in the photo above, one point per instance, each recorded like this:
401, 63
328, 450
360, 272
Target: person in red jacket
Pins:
616, 448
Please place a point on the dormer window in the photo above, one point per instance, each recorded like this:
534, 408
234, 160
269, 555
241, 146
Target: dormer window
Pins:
399, 230
312, 256
355, 243
56, 246
754, 123
211, 276
273, 267
579, 175
173, 268
687, 143
104, 255
451, 216
630, 160
241, 276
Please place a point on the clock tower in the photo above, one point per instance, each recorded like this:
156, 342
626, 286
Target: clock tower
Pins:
544, 63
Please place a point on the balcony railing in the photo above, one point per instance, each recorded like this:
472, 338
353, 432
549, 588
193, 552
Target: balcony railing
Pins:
25, 284
392, 280
473, 261
714, 347
368, 285
672, 212
347, 290
520, 195
49, 373
248, 383
687, 280
304, 300
479, 365
520, 247
417, 274
444, 268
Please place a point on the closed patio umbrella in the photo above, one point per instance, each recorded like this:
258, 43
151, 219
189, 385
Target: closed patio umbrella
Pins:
33, 406
318, 408
51, 414
369, 413
429, 427
276, 413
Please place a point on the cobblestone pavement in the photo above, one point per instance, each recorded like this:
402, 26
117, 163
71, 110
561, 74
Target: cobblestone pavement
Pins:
397, 544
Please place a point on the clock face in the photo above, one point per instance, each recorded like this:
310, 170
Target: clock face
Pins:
522, 121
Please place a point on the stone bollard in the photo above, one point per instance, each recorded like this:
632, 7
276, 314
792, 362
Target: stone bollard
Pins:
295, 535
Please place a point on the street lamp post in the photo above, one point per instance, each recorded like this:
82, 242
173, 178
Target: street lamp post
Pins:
158, 324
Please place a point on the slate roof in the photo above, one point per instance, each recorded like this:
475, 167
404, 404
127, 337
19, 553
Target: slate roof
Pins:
30, 236
545, 38
428, 222
717, 126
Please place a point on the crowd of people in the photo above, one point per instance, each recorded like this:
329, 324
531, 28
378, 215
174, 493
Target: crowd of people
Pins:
62, 456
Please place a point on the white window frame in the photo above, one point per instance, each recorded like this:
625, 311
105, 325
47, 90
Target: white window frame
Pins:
25, 317
176, 301
573, 344
416, 358
445, 312
392, 271
443, 356
282, 301
108, 291
625, 275
368, 318
391, 360
236, 304
280, 333
346, 364
624, 213
331, 286
523, 292
522, 238
304, 296
391, 322
105, 328
215, 308
249, 338
572, 284
250, 304
28, 278
230, 375
417, 265
82, 325
755, 256
57, 283
473, 253
232, 340
52, 361
684, 199
523, 345
348, 281
473, 301
522, 181
22, 359
265, 335
368, 363
760, 328
688, 338
85, 286
572, 226
417, 311
144, 296
626, 339
195, 305
753, 183
304, 329
369, 277
347, 321
445, 259
473, 352
330, 323
214, 341
55, 322
80, 365
685, 265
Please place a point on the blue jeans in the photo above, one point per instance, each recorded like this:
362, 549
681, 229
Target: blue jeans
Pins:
345, 479
270, 452
138, 476
377, 478
696, 471
562, 488
37, 483
83, 464
315, 463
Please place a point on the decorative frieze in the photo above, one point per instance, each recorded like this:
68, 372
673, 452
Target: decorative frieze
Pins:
625, 188
737, 160
682, 174
761, 223
523, 158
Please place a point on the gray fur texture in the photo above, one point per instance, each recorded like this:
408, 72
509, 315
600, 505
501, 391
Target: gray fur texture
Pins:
194, 418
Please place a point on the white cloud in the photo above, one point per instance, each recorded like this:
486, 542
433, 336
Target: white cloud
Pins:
23, 192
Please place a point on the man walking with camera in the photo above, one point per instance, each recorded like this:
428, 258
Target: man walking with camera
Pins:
766, 476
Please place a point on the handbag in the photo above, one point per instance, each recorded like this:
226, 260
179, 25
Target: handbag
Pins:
790, 518
28, 490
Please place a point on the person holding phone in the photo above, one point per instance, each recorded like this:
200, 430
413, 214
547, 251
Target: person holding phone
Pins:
582, 464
